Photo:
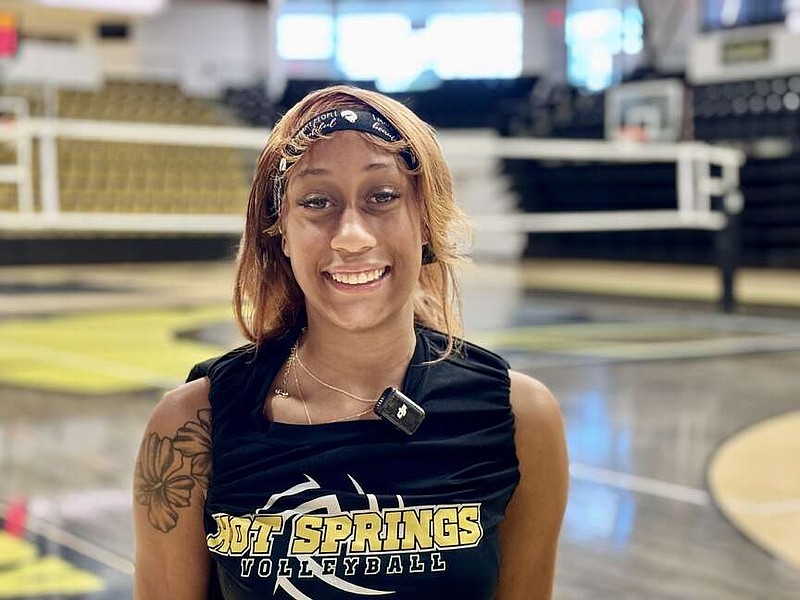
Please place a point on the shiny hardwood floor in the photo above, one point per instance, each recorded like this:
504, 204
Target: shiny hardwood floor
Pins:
648, 391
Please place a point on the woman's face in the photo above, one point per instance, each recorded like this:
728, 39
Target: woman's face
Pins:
352, 233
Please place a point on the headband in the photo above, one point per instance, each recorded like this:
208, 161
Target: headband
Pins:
354, 119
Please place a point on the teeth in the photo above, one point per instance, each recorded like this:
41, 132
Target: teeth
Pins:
358, 278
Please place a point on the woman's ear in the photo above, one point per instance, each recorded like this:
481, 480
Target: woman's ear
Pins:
284, 244
428, 255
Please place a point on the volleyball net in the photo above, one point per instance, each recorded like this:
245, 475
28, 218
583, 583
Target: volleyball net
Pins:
111, 177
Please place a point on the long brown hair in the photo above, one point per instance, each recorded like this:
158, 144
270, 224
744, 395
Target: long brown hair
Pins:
267, 300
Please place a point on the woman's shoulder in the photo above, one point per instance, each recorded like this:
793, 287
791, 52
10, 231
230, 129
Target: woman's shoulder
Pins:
171, 478
231, 361
175, 454
184, 406
465, 354
537, 415
532, 399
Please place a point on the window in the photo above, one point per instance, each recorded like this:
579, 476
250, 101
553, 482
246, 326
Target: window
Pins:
305, 37
599, 35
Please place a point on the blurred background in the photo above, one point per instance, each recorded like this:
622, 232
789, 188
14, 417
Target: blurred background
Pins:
632, 171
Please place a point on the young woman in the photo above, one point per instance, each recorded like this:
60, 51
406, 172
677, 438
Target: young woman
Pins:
276, 472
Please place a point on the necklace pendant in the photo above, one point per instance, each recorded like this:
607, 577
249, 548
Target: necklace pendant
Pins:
279, 391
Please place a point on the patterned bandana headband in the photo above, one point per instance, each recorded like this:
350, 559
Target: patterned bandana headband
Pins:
354, 119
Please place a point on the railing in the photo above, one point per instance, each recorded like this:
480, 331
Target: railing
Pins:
13, 131
695, 182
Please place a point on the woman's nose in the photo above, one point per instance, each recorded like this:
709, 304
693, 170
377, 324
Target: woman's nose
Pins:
352, 233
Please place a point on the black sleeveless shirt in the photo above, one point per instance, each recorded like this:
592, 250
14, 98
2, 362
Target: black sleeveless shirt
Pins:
357, 508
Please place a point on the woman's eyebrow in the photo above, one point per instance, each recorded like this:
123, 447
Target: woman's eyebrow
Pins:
310, 171
378, 165
313, 171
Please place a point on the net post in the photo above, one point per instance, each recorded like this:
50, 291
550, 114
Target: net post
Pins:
728, 244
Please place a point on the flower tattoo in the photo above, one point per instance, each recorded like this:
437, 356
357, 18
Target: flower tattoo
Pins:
169, 468
193, 441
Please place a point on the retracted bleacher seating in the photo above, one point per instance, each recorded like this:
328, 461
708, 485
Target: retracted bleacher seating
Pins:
762, 117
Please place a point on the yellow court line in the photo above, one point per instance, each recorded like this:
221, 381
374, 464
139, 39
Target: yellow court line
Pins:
26, 574
14, 551
754, 477
634, 340
98, 366
105, 352
692, 348
696, 283
583, 333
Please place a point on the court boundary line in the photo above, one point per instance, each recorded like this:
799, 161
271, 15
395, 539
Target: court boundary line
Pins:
639, 484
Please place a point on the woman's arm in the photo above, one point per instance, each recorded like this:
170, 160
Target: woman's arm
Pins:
170, 483
529, 533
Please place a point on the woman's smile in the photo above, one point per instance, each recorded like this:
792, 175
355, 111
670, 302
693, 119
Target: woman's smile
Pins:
360, 280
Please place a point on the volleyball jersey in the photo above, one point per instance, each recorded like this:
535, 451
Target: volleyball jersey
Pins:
359, 509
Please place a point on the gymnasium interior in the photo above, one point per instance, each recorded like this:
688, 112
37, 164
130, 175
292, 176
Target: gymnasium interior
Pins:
631, 170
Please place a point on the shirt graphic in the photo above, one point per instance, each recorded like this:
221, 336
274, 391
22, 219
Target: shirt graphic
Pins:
317, 540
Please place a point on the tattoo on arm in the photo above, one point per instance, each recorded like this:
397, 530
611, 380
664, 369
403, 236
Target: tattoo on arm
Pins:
169, 468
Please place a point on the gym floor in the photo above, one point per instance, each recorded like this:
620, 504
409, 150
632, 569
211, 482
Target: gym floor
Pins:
683, 423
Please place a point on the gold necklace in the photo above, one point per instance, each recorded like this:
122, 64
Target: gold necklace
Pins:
328, 385
283, 389
299, 389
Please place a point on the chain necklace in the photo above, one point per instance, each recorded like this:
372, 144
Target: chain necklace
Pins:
299, 389
328, 385
283, 389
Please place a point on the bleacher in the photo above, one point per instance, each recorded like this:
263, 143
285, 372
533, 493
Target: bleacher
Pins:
761, 117
572, 114
138, 102
748, 110
250, 105
463, 103
467, 103
97, 176
120, 177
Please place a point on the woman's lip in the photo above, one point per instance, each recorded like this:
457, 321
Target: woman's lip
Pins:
356, 270
357, 286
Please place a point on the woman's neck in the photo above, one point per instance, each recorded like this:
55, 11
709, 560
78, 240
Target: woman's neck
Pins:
363, 363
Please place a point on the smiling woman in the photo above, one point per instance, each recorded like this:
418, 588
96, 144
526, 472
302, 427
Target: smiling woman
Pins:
357, 445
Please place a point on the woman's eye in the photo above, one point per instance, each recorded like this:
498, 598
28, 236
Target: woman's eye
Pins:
315, 202
385, 196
